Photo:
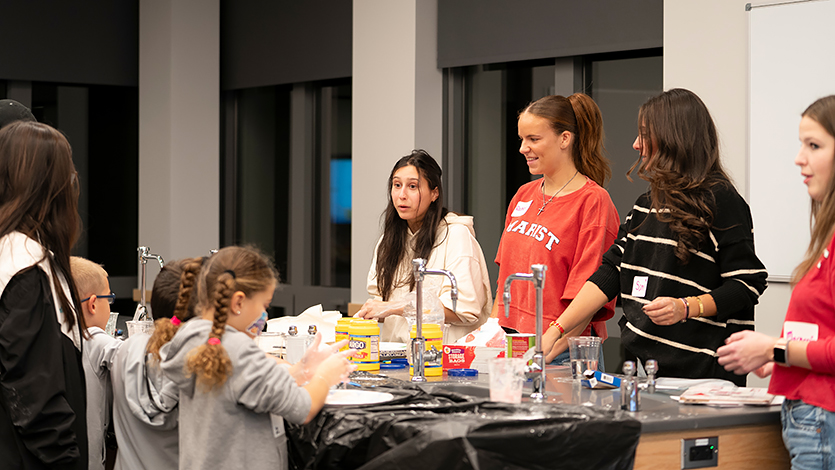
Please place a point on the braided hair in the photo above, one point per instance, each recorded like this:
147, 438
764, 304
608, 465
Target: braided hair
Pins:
232, 269
168, 322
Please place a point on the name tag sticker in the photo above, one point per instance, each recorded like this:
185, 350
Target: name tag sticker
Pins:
639, 286
521, 208
277, 423
800, 331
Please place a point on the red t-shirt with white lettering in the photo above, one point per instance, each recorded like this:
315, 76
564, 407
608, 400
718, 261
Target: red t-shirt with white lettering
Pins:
569, 236
812, 309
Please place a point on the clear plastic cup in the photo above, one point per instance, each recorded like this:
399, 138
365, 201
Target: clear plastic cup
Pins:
584, 352
507, 375
142, 326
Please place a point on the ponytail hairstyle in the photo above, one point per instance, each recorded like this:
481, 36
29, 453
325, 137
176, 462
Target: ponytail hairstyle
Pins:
230, 270
579, 115
682, 165
393, 247
172, 300
39, 198
822, 220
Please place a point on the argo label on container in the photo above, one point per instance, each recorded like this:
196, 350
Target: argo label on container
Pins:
365, 339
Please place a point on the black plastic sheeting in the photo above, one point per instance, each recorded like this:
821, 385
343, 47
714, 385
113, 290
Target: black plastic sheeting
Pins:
442, 429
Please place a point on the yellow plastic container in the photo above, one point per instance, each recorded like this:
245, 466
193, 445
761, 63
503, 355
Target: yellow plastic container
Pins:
365, 338
434, 337
342, 326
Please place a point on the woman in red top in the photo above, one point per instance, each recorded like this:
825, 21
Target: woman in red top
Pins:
565, 220
802, 361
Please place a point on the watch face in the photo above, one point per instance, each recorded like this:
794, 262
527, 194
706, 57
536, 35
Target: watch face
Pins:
780, 355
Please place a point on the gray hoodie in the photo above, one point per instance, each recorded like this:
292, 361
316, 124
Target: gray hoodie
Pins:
239, 424
144, 410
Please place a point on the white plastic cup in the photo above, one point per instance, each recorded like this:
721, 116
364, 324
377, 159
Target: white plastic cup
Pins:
142, 326
584, 352
507, 375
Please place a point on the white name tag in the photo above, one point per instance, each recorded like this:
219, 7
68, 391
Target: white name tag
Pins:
800, 331
521, 208
639, 286
277, 423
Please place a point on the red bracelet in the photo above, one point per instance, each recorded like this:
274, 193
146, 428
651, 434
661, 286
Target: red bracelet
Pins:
559, 327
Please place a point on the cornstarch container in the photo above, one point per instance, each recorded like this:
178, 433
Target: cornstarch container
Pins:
365, 338
434, 337
342, 326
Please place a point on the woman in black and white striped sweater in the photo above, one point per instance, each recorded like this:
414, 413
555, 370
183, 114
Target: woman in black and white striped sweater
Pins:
684, 261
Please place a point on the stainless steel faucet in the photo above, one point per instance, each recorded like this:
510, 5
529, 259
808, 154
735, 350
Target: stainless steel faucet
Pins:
144, 255
537, 275
419, 352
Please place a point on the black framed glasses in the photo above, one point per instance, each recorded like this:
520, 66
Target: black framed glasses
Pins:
111, 297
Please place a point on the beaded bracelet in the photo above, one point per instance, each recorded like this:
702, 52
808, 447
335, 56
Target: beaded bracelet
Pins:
559, 327
686, 309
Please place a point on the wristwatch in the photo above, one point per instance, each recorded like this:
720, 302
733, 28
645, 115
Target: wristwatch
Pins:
781, 352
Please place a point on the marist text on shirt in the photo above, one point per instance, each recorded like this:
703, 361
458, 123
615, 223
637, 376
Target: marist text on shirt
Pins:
538, 232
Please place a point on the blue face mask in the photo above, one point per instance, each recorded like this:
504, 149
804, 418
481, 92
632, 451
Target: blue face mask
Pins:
258, 325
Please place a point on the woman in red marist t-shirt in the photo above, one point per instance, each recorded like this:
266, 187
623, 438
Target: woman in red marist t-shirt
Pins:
565, 220
802, 361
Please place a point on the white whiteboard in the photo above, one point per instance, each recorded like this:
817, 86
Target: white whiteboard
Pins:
791, 65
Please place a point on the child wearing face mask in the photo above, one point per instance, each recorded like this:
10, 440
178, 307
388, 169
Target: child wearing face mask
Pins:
233, 397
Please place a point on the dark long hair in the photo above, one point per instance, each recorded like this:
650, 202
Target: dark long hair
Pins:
683, 165
579, 115
393, 247
172, 297
822, 221
39, 198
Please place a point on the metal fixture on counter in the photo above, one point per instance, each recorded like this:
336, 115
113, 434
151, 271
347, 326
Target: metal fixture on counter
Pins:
537, 276
144, 255
652, 369
419, 351
630, 396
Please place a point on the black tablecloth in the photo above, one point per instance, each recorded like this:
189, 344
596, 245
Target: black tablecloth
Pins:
439, 429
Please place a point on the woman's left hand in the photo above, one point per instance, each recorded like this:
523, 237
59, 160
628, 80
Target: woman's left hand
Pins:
665, 311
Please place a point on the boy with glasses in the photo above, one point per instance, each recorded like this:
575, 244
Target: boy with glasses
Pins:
98, 353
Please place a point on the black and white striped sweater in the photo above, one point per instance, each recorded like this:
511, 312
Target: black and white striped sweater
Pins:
725, 267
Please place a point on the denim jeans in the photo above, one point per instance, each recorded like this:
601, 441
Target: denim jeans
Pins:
808, 432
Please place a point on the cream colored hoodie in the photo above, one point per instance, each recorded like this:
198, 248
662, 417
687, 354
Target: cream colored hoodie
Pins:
458, 251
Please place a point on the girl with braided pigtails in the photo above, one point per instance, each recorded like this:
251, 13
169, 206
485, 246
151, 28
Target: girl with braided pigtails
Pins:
145, 411
230, 391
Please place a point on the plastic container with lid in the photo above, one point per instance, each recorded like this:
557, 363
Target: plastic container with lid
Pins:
462, 375
433, 335
342, 326
365, 338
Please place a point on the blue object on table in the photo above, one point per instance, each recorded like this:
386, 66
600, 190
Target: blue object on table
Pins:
469, 373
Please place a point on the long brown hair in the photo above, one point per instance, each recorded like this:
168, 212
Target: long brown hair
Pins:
822, 220
393, 246
39, 198
683, 165
172, 298
579, 115
230, 270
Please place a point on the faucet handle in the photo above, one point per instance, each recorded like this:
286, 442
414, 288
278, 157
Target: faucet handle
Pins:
651, 366
629, 369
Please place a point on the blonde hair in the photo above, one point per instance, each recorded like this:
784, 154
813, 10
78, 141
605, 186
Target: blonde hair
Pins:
90, 278
232, 269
